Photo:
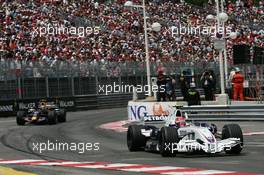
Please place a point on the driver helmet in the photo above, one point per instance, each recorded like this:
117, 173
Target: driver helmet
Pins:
180, 120
42, 104
213, 128
31, 110
237, 69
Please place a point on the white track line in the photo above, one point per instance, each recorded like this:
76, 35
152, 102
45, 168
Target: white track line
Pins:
91, 166
151, 169
19, 161
60, 163
116, 165
201, 172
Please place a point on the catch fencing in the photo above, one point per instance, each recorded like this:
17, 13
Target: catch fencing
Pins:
75, 85
54, 79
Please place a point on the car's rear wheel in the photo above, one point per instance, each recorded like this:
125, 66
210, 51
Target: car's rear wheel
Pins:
62, 116
233, 131
135, 140
168, 141
52, 118
20, 118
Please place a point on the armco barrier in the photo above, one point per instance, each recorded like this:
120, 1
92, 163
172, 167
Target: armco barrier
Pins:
86, 102
82, 102
10, 107
226, 112
243, 110
115, 100
102, 101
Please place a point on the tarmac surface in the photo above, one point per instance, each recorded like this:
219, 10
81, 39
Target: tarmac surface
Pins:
19, 143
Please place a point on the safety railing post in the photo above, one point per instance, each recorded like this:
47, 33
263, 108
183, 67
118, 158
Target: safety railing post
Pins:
72, 86
120, 80
19, 89
96, 84
47, 86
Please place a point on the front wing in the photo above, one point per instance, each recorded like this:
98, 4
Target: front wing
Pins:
216, 147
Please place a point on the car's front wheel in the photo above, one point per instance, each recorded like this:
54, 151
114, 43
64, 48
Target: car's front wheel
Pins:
52, 118
20, 118
135, 140
168, 141
62, 116
233, 131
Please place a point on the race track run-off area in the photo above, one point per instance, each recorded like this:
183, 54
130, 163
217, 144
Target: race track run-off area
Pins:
97, 139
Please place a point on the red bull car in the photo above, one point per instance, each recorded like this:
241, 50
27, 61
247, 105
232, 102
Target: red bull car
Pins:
44, 113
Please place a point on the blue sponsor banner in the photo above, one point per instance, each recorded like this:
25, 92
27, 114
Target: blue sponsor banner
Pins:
137, 110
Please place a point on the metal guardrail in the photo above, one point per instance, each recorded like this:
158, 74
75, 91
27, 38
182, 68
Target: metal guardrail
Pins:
77, 103
226, 112
87, 102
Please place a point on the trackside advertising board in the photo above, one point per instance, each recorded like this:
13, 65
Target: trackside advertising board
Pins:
137, 110
7, 108
10, 107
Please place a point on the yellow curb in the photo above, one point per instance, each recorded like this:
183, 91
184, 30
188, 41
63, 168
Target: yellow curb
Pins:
10, 171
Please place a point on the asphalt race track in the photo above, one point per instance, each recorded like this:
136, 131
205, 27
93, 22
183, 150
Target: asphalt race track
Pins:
16, 143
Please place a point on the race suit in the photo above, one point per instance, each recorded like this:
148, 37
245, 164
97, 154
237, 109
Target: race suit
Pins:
238, 88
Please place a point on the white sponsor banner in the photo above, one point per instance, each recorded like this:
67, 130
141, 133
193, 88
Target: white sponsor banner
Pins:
6, 108
137, 110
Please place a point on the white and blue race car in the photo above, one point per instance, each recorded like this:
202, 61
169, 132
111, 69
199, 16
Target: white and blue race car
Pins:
176, 134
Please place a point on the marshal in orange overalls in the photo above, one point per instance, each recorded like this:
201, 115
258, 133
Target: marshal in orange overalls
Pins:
238, 80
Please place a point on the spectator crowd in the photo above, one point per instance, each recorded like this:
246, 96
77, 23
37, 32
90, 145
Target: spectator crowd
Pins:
121, 34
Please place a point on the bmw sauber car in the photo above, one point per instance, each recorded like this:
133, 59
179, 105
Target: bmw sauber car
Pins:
176, 134
44, 113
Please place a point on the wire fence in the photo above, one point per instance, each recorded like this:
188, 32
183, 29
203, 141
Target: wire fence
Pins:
11, 69
36, 79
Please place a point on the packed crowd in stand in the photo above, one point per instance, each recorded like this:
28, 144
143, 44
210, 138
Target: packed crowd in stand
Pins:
121, 35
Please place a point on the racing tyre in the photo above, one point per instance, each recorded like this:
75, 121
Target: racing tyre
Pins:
52, 118
168, 139
135, 140
62, 116
20, 118
233, 131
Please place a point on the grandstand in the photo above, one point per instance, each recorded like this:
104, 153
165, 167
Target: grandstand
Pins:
120, 40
